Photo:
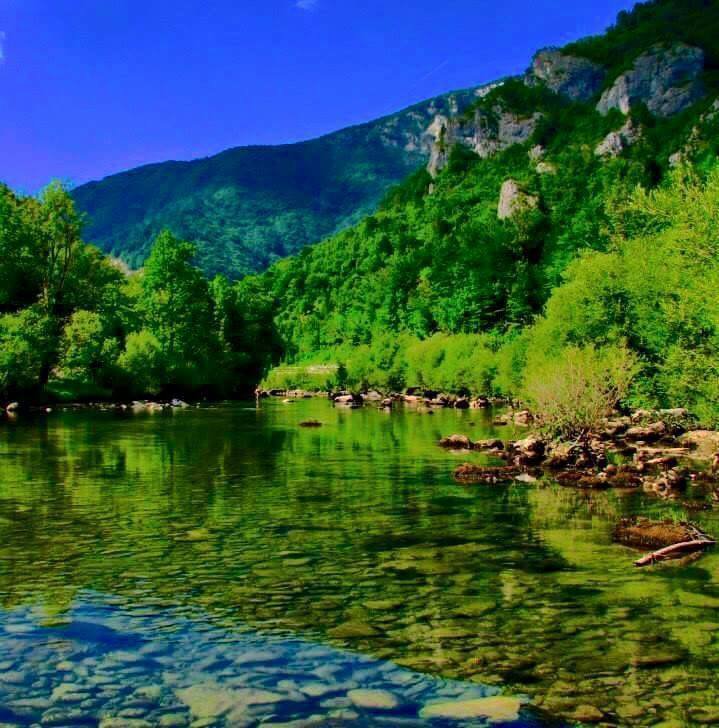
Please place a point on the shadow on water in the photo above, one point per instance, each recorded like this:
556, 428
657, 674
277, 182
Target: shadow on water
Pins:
349, 536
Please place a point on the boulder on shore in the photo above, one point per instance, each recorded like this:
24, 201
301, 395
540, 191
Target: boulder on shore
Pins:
489, 445
529, 451
648, 433
703, 443
456, 442
348, 400
523, 417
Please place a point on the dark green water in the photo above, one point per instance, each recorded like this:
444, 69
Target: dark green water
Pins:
152, 552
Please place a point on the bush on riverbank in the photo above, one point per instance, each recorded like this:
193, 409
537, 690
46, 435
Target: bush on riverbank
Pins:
576, 390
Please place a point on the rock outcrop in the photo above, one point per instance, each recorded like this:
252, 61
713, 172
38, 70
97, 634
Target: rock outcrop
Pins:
666, 79
617, 141
513, 199
577, 79
485, 132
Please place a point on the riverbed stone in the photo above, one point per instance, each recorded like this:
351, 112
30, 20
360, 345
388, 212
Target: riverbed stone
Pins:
172, 720
587, 714
495, 709
353, 630
210, 700
373, 699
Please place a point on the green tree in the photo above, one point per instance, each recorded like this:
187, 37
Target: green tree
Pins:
87, 352
177, 311
142, 364
27, 346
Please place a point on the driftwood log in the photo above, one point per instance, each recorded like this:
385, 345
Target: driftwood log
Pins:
675, 551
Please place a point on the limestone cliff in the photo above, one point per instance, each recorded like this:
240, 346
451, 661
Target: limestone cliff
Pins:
666, 79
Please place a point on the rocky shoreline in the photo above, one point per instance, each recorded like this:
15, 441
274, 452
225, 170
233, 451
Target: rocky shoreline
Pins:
662, 452
420, 397
13, 409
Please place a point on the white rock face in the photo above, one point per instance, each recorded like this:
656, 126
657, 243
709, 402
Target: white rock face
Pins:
513, 200
545, 168
666, 79
617, 141
486, 134
577, 79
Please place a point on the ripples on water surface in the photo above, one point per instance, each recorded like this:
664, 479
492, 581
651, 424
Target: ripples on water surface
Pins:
224, 566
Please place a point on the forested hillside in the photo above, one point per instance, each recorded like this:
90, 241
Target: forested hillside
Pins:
572, 215
249, 206
562, 242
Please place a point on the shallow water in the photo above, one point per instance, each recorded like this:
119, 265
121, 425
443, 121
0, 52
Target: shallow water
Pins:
144, 556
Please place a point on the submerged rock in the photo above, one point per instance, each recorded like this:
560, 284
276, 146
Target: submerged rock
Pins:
644, 533
353, 630
494, 709
373, 699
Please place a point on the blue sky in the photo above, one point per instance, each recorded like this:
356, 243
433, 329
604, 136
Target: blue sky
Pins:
92, 87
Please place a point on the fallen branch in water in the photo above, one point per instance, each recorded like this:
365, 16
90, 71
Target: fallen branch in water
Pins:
675, 551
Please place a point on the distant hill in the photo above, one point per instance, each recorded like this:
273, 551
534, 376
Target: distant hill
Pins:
249, 206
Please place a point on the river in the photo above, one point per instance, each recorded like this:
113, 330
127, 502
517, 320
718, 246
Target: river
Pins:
222, 565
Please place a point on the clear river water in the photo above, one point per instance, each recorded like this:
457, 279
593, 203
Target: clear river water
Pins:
223, 566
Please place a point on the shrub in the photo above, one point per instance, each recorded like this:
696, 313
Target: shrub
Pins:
575, 390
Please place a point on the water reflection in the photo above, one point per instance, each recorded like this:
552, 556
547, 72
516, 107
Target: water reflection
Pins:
354, 534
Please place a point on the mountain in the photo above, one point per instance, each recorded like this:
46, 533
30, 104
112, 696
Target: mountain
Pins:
544, 198
249, 206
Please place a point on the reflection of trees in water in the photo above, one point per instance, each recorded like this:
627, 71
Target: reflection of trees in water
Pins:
354, 528
208, 503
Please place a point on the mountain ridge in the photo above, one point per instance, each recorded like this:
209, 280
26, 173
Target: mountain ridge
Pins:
316, 188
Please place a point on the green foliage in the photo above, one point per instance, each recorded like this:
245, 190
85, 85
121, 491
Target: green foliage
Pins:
87, 352
143, 363
177, 311
575, 388
76, 325
610, 277
614, 270
27, 344
695, 22
655, 290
